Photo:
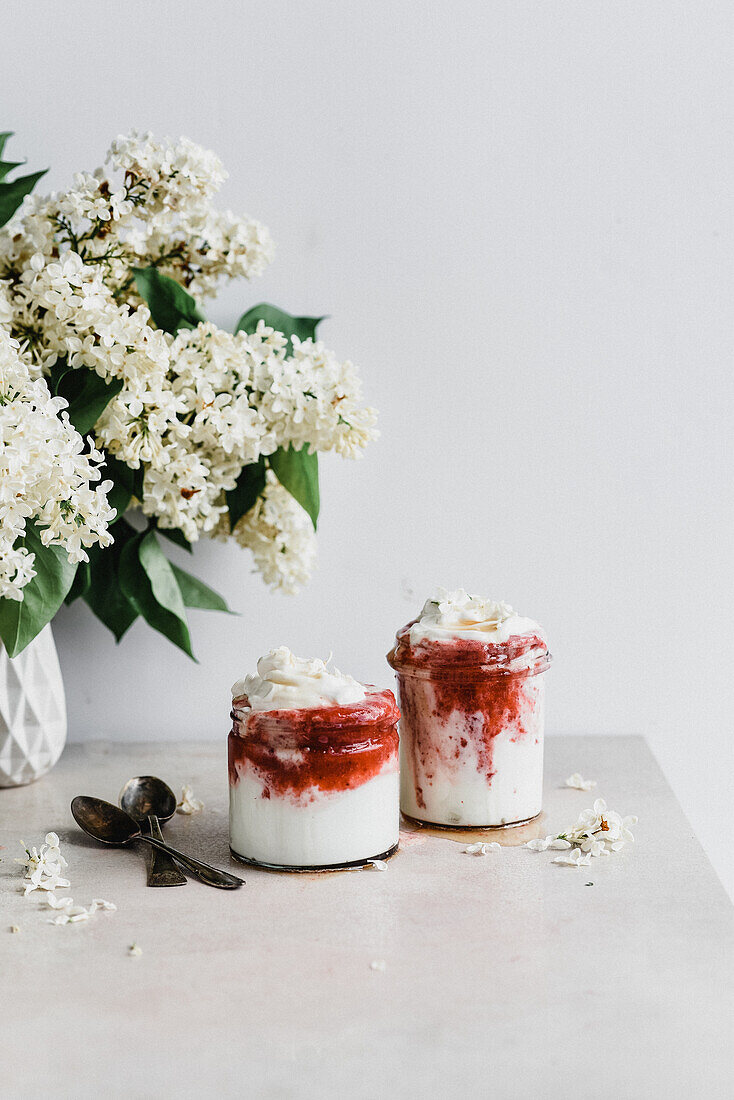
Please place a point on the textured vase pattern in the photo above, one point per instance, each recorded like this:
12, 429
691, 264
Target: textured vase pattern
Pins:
32, 711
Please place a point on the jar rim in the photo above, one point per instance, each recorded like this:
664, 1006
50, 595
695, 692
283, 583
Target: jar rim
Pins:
469, 659
364, 722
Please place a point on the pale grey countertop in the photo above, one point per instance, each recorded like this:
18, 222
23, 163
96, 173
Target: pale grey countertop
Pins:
505, 975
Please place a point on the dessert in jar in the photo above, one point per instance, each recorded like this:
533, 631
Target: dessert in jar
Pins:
313, 767
471, 696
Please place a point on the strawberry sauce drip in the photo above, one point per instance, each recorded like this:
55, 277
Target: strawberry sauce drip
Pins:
474, 681
328, 749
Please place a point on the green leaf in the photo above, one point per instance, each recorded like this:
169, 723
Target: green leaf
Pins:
197, 594
7, 166
20, 622
88, 395
56, 373
171, 307
80, 583
104, 595
13, 193
148, 581
242, 498
173, 534
302, 327
127, 484
298, 472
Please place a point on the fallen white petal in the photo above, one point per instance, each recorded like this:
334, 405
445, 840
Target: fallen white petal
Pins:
474, 850
14, 928
539, 845
579, 783
133, 949
559, 844
378, 964
573, 859
188, 804
100, 903
378, 864
58, 903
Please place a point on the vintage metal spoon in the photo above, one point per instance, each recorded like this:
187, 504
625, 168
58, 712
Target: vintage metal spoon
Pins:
149, 801
110, 825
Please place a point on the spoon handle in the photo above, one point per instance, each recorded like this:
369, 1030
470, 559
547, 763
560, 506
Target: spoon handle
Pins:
163, 871
212, 876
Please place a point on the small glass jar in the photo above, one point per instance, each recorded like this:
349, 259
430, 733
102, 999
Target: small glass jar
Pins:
471, 730
315, 788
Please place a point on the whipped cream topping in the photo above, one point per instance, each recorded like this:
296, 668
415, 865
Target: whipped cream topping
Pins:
287, 682
459, 615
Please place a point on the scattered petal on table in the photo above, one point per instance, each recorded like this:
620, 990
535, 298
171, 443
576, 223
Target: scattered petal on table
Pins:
579, 783
188, 804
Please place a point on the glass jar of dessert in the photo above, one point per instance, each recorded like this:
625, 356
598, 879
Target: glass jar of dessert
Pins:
313, 767
471, 696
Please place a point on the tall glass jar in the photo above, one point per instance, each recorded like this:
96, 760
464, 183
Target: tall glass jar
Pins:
315, 788
471, 730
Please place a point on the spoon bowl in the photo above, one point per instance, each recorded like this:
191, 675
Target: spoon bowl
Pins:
104, 822
146, 795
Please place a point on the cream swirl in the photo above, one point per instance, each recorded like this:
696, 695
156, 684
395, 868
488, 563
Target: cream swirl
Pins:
287, 682
459, 615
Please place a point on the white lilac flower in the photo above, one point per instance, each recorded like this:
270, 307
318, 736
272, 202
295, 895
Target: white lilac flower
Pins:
44, 867
578, 783
46, 475
187, 803
194, 409
602, 825
598, 832
281, 538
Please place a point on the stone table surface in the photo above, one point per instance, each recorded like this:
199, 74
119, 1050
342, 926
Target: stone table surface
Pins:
504, 975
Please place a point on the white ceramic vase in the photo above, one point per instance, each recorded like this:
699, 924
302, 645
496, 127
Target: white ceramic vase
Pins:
32, 711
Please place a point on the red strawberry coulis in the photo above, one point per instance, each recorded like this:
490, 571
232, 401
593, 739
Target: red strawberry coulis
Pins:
489, 685
297, 752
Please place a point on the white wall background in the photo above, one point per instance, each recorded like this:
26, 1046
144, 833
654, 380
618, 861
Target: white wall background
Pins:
518, 215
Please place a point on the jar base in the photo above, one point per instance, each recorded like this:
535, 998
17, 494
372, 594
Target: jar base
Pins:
352, 865
424, 823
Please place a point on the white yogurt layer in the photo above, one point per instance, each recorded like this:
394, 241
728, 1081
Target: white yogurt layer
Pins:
333, 827
442, 778
459, 615
287, 682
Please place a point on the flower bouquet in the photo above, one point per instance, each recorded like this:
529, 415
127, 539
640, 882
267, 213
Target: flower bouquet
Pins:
126, 417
